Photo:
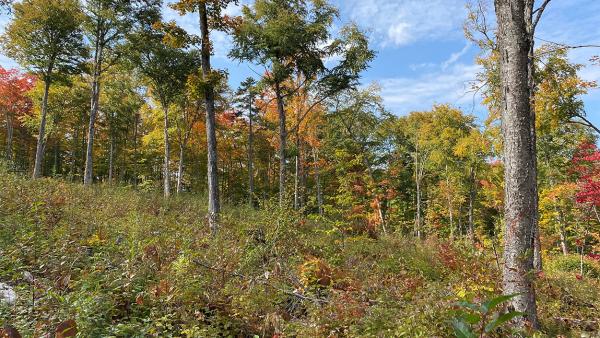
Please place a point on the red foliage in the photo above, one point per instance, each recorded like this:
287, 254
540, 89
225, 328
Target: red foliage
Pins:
586, 165
13, 91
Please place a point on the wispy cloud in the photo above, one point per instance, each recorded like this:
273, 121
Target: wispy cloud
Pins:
401, 22
453, 85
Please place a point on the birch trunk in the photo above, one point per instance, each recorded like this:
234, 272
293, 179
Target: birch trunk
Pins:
166, 171
89, 157
180, 168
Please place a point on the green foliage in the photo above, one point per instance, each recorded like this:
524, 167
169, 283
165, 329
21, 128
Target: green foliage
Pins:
45, 36
480, 320
574, 264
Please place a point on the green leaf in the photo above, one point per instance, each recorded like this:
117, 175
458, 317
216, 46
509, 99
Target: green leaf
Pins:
491, 304
469, 305
501, 320
462, 330
471, 318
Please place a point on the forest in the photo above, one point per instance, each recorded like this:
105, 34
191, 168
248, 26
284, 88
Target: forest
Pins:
144, 193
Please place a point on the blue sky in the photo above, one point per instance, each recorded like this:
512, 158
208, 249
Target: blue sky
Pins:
422, 55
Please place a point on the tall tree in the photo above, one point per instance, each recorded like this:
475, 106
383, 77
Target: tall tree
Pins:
288, 37
106, 24
167, 69
246, 95
45, 37
514, 44
210, 14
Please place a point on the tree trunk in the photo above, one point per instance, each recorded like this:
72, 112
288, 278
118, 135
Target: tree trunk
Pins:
89, 158
537, 245
167, 173
41, 142
282, 144
180, 168
562, 233
211, 138
250, 158
519, 159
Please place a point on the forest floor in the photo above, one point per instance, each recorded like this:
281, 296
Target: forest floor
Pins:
116, 262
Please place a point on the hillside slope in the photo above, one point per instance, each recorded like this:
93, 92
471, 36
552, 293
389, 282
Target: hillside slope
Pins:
121, 263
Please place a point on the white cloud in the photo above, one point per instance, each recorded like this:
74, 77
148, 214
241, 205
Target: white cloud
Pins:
452, 85
456, 56
401, 22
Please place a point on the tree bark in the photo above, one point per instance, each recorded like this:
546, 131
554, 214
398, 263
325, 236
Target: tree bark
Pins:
211, 138
282, 144
89, 157
519, 159
180, 168
41, 142
167, 173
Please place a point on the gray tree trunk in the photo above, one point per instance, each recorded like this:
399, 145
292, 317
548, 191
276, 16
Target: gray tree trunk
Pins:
95, 105
41, 141
211, 137
519, 159
167, 173
282, 144
180, 168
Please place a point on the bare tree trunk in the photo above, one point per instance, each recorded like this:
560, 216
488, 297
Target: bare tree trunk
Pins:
519, 159
89, 157
211, 137
250, 157
180, 168
41, 141
282, 144
318, 181
9, 136
167, 173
